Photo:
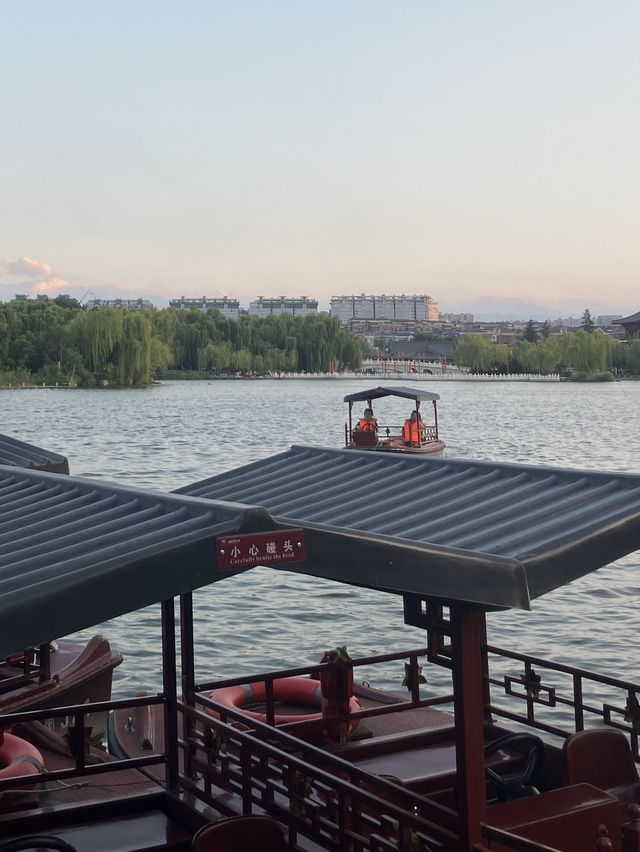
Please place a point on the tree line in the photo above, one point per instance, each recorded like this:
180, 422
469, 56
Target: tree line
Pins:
59, 341
581, 354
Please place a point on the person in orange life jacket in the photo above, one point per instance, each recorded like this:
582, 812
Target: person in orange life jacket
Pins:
413, 430
367, 422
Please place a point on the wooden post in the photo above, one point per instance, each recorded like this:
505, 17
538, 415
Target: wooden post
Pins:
169, 686
187, 657
467, 634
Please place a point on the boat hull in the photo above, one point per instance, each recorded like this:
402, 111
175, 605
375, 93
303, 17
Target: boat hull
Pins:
77, 674
395, 445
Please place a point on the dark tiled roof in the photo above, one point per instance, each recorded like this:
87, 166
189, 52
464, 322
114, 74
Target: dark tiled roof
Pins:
630, 319
14, 452
494, 534
74, 553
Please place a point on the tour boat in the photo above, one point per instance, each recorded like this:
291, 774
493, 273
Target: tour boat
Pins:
412, 436
511, 752
59, 672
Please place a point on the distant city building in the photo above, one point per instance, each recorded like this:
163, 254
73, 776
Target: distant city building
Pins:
403, 307
296, 307
457, 318
607, 320
229, 308
422, 350
568, 322
22, 297
394, 328
125, 304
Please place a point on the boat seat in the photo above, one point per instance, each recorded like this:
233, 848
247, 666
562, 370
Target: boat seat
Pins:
41, 841
364, 439
572, 816
602, 757
241, 834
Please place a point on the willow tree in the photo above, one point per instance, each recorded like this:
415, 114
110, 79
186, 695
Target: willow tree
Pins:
96, 334
191, 335
474, 351
215, 357
132, 357
588, 353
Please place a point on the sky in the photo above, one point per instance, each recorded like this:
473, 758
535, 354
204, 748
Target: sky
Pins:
480, 152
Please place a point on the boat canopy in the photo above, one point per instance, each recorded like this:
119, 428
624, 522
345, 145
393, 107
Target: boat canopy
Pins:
491, 534
14, 452
75, 552
403, 392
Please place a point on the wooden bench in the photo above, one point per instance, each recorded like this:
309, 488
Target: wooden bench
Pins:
364, 439
568, 818
141, 824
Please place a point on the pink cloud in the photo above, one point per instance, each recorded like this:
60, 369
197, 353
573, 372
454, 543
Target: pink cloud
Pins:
39, 276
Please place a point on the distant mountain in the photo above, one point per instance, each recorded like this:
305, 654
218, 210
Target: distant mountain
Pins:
503, 310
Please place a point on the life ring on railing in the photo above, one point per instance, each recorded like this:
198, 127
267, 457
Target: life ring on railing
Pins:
19, 758
293, 690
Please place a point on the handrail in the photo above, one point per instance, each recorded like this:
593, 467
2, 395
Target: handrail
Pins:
305, 784
542, 698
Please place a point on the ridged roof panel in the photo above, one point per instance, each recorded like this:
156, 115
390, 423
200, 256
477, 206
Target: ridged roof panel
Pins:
557, 524
20, 454
74, 552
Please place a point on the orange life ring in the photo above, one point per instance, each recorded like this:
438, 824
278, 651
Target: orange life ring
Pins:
19, 758
293, 690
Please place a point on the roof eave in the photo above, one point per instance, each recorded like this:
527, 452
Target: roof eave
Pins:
401, 567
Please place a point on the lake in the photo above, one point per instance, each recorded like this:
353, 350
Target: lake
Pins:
175, 433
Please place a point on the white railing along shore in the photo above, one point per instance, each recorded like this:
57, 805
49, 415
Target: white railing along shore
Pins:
430, 377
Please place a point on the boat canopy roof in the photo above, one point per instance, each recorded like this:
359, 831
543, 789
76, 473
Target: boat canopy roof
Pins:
391, 390
75, 552
14, 452
491, 534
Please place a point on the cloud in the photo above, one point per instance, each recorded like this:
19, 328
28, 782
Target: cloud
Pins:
33, 275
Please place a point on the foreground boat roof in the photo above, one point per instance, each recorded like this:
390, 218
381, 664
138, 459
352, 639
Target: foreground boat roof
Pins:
482, 532
74, 553
14, 452
390, 390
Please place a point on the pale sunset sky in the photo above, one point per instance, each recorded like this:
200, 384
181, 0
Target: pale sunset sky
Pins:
468, 150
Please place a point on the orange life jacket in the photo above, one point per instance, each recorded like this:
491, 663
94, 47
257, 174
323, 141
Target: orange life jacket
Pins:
368, 425
411, 432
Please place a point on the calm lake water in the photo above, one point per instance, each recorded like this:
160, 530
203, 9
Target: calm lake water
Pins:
178, 432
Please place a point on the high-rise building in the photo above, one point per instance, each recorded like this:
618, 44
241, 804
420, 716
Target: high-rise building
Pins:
229, 308
297, 307
417, 308
125, 304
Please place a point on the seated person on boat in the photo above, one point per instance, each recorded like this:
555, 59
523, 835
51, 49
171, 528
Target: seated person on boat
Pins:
413, 431
367, 422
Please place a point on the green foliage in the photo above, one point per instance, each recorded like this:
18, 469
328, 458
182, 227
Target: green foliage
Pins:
57, 341
590, 356
530, 332
15, 378
588, 352
430, 337
587, 323
628, 357
480, 355
543, 357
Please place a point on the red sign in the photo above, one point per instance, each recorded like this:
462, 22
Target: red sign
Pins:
270, 548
